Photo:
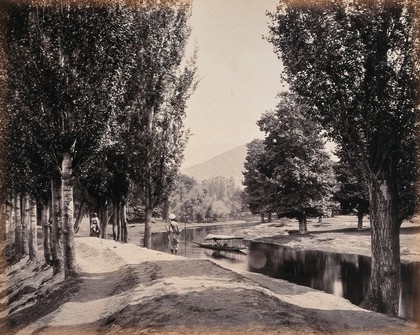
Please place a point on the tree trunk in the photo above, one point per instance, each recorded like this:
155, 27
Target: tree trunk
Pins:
3, 222
57, 240
25, 223
4, 231
79, 216
385, 281
262, 217
124, 222
165, 210
303, 229
147, 239
114, 221
18, 228
269, 217
46, 229
68, 217
360, 220
33, 237
118, 216
104, 221
12, 223
148, 207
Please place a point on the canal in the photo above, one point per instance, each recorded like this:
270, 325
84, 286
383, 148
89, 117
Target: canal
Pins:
344, 275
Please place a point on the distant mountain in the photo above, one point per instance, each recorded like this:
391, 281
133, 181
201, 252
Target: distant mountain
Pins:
228, 164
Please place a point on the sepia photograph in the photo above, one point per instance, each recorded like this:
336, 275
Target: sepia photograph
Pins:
217, 167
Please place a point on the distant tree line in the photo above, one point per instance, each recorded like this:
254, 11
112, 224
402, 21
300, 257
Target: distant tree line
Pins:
95, 104
211, 200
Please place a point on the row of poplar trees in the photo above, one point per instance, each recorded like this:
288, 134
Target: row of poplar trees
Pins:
95, 100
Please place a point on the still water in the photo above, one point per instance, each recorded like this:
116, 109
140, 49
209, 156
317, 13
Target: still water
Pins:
343, 275
188, 249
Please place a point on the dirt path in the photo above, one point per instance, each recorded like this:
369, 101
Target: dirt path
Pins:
123, 288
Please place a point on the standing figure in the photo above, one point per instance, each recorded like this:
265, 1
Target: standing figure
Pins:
173, 232
95, 229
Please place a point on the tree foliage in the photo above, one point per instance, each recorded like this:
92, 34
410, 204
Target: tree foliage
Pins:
258, 187
296, 172
351, 191
157, 83
55, 62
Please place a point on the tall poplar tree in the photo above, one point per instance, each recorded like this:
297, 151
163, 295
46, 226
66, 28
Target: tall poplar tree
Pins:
157, 83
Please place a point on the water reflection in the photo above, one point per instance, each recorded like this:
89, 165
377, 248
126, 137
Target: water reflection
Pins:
228, 256
343, 275
410, 291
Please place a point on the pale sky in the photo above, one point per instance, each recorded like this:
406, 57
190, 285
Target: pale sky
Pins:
239, 76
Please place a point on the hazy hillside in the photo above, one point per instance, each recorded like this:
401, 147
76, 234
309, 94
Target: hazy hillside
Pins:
228, 164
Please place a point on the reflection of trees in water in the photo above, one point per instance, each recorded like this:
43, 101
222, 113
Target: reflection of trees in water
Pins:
343, 275
330, 280
355, 274
410, 291
315, 269
340, 274
301, 267
229, 256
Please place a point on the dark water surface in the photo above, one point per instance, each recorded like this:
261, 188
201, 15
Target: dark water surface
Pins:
343, 275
